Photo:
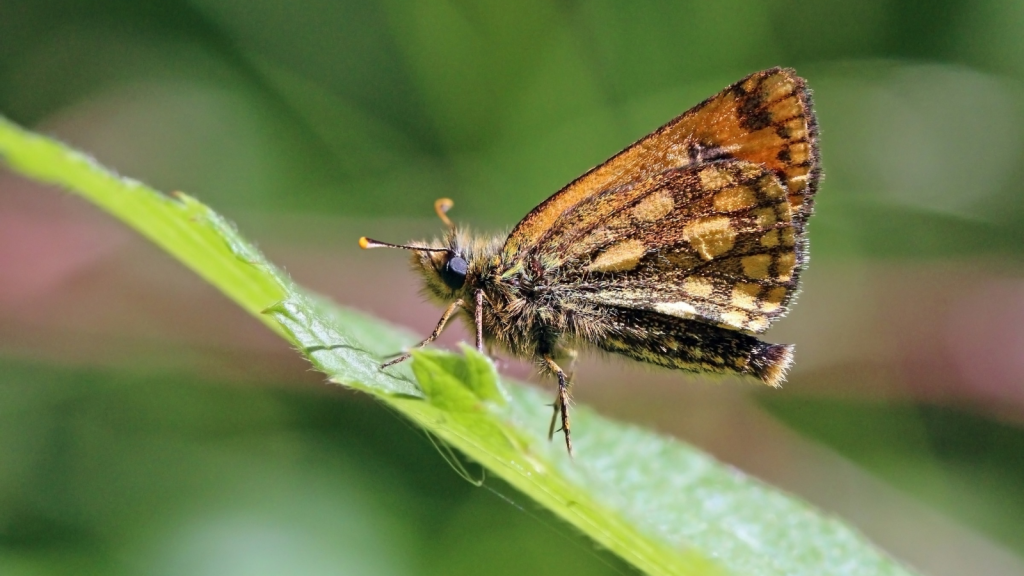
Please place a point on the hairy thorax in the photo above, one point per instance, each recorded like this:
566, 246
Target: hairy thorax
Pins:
515, 318
530, 313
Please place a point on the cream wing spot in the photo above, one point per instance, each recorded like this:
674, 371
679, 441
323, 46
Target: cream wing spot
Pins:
799, 152
765, 217
773, 299
749, 170
678, 309
714, 178
773, 189
745, 296
733, 199
798, 180
735, 319
756, 266
710, 236
785, 264
787, 108
699, 287
654, 207
619, 257
789, 237
758, 325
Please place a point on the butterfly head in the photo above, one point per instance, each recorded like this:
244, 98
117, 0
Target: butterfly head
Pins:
446, 263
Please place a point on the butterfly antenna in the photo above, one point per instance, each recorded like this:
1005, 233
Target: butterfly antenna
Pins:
367, 243
442, 206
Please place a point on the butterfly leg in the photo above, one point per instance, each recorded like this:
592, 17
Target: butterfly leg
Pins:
478, 318
433, 335
561, 405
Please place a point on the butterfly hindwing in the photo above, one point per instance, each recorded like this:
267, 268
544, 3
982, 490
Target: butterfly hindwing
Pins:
715, 242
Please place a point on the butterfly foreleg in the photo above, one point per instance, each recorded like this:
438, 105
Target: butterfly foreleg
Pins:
478, 319
433, 335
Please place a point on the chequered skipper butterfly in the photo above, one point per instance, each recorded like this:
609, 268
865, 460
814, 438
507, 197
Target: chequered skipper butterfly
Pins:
676, 251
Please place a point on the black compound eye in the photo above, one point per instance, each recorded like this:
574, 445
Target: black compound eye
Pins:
454, 273
458, 265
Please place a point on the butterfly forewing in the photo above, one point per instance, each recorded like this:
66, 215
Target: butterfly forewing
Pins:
715, 242
766, 118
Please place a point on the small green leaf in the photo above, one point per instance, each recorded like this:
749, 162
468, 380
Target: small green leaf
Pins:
474, 371
656, 502
438, 375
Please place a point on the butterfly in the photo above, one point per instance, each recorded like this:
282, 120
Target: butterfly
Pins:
678, 251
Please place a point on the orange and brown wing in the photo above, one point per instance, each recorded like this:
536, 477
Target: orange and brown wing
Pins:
766, 118
716, 242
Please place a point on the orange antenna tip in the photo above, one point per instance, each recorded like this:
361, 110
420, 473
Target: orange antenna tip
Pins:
364, 243
443, 205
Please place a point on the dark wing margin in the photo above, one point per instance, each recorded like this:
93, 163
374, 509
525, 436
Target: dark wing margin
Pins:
766, 118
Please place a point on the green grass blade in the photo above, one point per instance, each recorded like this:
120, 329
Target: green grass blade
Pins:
656, 502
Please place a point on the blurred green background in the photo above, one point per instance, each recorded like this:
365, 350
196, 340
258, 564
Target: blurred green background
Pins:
147, 427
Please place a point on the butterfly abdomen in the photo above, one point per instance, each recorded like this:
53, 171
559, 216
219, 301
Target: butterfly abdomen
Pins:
771, 362
695, 346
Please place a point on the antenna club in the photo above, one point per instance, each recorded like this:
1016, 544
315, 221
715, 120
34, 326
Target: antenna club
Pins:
442, 206
364, 242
